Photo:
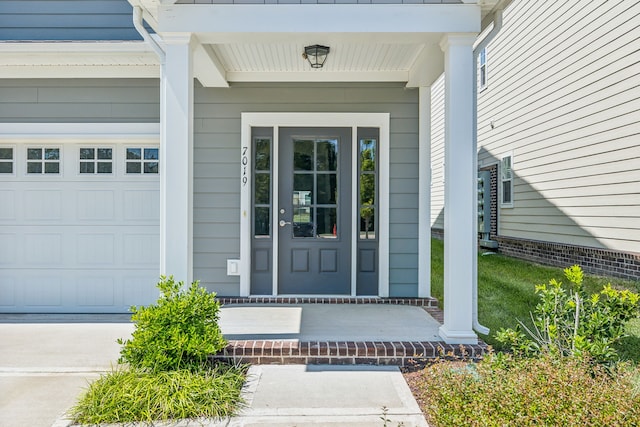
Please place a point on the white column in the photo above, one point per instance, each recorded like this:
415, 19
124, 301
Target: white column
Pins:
424, 193
176, 159
460, 190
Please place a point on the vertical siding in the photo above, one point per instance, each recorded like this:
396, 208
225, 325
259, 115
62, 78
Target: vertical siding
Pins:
563, 93
79, 100
217, 179
67, 20
437, 154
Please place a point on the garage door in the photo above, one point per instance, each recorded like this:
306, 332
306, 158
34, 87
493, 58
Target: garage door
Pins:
79, 226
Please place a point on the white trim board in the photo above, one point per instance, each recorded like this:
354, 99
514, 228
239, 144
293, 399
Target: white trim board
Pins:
277, 120
24, 132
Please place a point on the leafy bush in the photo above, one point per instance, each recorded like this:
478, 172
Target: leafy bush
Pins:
128, 395
178, 332
567, 321
505, 390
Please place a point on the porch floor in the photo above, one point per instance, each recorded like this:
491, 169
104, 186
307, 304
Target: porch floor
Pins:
378, 333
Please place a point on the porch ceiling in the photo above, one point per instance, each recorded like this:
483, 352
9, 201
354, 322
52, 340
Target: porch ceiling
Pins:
264, 43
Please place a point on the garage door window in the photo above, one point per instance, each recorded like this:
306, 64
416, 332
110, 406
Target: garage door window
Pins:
142, 160
96, 160
6, 160
43, 160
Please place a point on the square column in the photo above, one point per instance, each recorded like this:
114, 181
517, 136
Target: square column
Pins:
176, 158
460, 190
424, 192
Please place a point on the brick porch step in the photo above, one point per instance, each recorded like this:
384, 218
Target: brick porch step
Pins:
341, 352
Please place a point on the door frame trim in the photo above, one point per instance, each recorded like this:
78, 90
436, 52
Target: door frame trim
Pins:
329, 120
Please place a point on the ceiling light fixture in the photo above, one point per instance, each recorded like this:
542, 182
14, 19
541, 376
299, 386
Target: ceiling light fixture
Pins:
316, 55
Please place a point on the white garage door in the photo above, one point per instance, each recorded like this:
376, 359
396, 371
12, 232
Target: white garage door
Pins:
79, 226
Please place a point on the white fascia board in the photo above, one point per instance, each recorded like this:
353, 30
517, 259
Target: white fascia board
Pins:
320, 18
75, 47
319, 76
80, 131
79, 72
78, 60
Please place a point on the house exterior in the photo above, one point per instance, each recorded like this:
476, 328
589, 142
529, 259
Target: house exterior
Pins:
193, 139
559, 135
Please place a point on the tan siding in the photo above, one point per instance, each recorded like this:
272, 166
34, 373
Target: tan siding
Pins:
564, 96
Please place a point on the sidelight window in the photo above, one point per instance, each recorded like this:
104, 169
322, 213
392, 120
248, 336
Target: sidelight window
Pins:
262, 186
368, 183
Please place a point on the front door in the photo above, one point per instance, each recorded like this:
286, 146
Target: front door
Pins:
314, 211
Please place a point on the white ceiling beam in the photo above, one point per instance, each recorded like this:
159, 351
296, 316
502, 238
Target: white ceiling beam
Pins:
428, 67
318, 76
207, 67
320, 18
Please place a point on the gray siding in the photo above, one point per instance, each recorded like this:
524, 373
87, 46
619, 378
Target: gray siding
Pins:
217, 176
80, 101
67, 20
563, 96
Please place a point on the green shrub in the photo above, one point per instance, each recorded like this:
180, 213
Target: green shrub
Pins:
129, 395
567, 321
503, 390
178, 332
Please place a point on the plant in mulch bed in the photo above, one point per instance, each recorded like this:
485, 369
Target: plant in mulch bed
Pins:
505, 390
563, 371
164, 372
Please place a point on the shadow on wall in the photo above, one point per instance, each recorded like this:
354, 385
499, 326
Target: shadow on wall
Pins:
537, 230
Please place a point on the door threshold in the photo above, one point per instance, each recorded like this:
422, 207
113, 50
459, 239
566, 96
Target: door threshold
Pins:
306, 299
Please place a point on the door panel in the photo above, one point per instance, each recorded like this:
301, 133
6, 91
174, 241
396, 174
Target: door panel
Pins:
314, 211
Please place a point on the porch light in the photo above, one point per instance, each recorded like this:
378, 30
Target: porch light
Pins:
316, 55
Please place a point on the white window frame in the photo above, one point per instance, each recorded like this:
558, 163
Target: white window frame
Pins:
142, 160
503, 181
482, 65
43, 162
95, 160
13, 162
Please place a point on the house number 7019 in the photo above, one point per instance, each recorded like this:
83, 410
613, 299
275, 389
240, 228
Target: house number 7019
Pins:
245, 162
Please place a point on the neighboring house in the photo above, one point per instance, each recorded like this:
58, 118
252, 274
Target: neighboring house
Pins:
212, 150
559, 134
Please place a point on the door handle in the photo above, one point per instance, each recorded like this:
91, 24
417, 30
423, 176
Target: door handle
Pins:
282, 223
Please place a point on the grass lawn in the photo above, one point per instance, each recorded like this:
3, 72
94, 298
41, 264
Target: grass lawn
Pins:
506, 293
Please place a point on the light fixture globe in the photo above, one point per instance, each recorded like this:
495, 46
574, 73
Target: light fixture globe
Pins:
316, 55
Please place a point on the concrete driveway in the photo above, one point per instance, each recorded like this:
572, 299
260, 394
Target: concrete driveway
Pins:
46, 361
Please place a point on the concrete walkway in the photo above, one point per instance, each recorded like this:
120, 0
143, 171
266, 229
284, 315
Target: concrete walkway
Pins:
46, 360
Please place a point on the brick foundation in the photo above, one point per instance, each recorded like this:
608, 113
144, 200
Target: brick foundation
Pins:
604, 262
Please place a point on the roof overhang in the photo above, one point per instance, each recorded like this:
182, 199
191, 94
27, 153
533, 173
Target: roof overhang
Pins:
373, 42
77, 60
264, 43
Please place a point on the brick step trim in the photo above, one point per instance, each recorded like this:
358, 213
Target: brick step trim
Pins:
397, 353
418, 302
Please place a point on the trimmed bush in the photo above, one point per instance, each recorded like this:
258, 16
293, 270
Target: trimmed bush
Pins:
178, 332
